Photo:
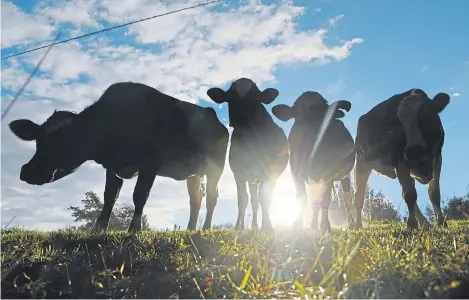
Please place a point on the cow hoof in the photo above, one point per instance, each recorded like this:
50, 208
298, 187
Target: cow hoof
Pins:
426, 225
134, 231
326, 227
254, 226
267, 227
412, 224
358, 225
99, 228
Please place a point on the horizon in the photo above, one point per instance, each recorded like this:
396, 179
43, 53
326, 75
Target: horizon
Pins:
331, 46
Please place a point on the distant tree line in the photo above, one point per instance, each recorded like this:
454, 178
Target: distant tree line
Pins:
454, 208
376, 207
91, 207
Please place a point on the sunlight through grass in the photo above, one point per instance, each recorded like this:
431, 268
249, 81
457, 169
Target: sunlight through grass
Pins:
381, 261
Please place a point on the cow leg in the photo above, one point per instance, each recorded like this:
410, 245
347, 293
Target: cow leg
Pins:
434, 191
111, 193
345, 182
212, 195
195, 198
362, 173
242, 201
326, 201
300, 200
316, 203
409, 193
254, 191
142, 189
265, 197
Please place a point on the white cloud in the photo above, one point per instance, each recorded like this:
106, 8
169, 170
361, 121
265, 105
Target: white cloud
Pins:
181, 54
19, 27
76, 12
456, 94
333, 21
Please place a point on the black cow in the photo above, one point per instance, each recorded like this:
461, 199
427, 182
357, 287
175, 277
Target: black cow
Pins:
321, 152
259, 147
133, 129
402, 137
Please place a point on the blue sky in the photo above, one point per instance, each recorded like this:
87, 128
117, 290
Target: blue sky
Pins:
370, 51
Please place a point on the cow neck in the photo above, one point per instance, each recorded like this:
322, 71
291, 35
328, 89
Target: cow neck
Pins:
83, 131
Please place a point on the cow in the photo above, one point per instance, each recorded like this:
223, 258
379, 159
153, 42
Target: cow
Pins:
321, 152
402, 137
131, 130
258, 153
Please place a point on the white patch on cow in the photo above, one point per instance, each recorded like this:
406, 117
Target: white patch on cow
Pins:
243, 86
53, 175
407, 115
317, 189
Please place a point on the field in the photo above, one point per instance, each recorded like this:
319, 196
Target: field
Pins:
381, 261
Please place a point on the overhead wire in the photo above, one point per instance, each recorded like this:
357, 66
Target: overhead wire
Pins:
49, 46
20, 91
112, 28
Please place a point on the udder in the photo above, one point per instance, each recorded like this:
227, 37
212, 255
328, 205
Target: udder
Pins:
127, 172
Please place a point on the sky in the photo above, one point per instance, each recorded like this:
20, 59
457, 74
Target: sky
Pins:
363, 52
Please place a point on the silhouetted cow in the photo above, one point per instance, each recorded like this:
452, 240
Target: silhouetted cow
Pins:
133, 129
259, 147
403, 137
321, 152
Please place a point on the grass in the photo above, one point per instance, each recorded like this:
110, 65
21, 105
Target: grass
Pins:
381, 261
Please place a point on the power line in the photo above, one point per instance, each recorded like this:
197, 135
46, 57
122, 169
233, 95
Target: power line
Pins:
20, 91
111, 28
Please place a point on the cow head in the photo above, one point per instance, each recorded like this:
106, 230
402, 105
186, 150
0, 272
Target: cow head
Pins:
419, 116
51, 161
311, 107
245, 101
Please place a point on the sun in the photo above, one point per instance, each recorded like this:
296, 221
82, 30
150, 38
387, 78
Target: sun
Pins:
284, 210
284, 213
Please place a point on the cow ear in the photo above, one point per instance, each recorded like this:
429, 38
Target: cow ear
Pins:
440, 101
25, 129
339, 114
283, 112
217, 95
341, 104
268, 95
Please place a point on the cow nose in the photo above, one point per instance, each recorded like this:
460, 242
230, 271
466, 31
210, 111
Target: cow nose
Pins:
27, 170
414, 153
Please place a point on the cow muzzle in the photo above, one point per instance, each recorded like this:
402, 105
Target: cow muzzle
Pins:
415, 153
29, 174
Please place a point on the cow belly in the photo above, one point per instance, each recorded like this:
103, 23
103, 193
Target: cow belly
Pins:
383, 169
183, 168
127, 172
331, 172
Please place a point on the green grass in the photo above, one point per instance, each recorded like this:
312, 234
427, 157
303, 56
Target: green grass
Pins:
381, 261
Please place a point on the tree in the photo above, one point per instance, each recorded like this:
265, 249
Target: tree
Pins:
120, 217
429, 213
457, 208
377, 207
